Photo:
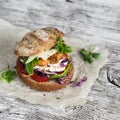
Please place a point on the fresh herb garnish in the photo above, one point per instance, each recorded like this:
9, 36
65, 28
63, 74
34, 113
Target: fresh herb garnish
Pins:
1, 77
62, 47
30, 66
89, 55
25, 59
7, 74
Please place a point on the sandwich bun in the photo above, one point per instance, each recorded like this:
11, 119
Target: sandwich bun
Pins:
37, 41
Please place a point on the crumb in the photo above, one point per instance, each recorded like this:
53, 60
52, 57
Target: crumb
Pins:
57, 97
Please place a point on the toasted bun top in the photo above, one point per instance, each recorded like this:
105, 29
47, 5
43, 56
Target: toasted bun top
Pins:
37, 41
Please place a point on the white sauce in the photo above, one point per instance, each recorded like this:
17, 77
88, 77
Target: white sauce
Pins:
52, 67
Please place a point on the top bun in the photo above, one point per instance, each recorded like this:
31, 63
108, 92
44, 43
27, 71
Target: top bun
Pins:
37, 41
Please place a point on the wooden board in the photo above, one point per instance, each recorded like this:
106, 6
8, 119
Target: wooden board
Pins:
87, 20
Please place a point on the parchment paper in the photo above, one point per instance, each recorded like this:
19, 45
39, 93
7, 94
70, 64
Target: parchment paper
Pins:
68, 96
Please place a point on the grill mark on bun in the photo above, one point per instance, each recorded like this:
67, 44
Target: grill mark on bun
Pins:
37, 39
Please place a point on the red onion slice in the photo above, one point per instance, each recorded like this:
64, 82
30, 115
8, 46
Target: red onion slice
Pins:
64, 62
60, 80
84, 79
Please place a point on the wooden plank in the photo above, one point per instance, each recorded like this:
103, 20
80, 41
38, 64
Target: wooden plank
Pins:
87, 20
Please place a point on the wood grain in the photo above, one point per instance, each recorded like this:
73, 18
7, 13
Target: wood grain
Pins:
84, 19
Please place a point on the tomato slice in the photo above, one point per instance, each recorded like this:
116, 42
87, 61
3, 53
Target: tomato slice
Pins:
21, 67
39, 78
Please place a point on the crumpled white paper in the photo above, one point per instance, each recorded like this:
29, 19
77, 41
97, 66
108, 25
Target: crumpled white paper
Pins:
68, 96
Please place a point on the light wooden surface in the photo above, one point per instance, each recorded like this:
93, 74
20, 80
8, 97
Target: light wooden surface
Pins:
89, 20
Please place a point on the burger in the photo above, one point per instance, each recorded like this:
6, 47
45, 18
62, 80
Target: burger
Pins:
43, 61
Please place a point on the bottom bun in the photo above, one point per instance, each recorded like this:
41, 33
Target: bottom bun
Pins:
46, 86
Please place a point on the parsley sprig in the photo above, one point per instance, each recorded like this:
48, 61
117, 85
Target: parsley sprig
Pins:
7, 74
62, 47
89, 55
30, 66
